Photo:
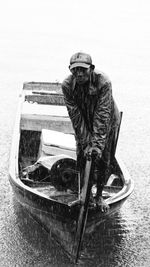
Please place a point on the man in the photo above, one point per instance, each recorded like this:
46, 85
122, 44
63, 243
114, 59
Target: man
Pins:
94, 116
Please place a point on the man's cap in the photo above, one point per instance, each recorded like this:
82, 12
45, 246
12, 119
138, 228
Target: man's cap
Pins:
80, 60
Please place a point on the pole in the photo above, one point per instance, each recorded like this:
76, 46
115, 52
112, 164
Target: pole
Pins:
85, 197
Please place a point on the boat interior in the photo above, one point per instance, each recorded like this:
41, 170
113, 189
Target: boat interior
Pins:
47, 157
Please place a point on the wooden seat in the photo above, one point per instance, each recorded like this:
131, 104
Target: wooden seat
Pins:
37, 116
56, 143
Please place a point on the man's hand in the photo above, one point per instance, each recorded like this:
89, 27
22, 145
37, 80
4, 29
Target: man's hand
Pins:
93, 150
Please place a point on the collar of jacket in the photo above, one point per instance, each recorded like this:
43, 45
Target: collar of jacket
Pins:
92, 89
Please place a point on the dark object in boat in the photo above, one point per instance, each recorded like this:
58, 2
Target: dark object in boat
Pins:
62, 175
36, 172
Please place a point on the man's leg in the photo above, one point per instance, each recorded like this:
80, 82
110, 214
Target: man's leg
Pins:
101, 174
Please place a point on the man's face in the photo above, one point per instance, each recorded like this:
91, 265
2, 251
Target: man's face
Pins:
81, 74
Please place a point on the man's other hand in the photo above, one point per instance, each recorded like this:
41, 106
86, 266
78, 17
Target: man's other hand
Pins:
93, 150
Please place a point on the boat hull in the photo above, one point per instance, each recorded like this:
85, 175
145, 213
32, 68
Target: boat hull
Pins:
59, 219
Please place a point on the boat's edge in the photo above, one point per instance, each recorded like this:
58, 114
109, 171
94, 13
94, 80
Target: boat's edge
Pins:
128, 183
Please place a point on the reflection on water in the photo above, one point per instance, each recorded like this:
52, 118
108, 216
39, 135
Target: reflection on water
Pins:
39, 248
107, 246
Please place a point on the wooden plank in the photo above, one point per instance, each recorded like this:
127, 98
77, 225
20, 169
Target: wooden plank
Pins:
37, 117
57, 151
37, 123
53, 86
46, 99
39, 109
58, 139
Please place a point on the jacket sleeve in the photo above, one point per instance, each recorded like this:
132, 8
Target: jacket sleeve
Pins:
78, 123
102, 117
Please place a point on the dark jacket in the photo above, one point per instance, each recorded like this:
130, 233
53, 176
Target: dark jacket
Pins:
92, 110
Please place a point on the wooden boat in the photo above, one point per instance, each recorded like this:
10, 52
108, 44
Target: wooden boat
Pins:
43, 149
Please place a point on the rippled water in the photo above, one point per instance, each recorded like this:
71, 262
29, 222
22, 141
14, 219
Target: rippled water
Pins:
124, 240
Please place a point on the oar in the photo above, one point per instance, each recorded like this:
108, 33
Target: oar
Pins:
85, 197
